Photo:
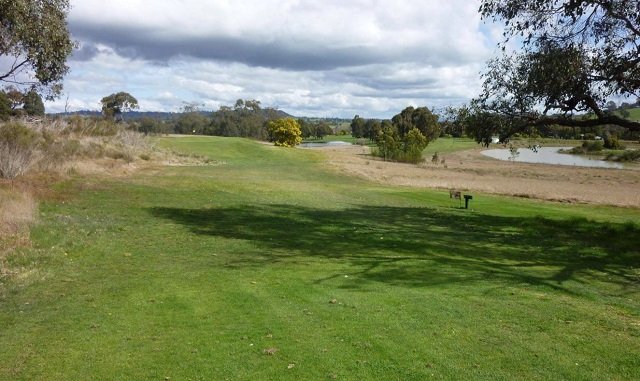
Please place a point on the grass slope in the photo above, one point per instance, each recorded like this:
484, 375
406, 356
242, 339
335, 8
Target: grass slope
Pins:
270, 266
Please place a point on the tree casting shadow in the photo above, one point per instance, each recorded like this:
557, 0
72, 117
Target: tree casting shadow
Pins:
423, 246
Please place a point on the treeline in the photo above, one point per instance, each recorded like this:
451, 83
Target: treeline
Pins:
246, 119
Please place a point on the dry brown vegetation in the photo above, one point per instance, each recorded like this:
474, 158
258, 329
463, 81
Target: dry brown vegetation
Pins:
471, 171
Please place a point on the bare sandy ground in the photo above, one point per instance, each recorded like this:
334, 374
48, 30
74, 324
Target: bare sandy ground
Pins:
471, 171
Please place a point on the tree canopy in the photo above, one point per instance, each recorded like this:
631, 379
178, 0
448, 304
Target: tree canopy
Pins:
115, 104
421, 118
575, 56
285, 132
33, 104
34, 34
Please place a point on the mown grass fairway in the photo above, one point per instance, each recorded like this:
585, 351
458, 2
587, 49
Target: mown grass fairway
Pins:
271, 266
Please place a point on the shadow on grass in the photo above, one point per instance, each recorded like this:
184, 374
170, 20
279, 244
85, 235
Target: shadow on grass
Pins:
422, 246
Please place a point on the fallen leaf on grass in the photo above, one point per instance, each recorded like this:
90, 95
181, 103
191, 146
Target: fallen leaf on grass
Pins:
270, 351
290, 366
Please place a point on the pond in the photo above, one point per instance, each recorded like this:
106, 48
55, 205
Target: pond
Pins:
550, 155
325, 144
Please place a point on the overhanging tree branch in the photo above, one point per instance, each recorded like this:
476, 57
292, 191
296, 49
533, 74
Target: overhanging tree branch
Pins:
576, 54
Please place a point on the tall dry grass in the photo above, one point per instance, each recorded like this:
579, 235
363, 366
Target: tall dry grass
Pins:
17, 212
57, 145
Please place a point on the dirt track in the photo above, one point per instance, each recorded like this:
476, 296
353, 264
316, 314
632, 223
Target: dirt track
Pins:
471, 171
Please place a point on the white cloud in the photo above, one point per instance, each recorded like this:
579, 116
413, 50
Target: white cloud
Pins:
332, 58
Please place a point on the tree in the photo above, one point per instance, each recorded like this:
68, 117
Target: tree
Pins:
34, 34
285, 132
575, 55
357, 127
148, 126
15, 95
371, 129
305, 128
387, 142
5, 106
115, 104
323, 129
421, 118
191, 121
33, 104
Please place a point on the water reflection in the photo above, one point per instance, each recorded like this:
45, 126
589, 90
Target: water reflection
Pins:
325, 144
550, 155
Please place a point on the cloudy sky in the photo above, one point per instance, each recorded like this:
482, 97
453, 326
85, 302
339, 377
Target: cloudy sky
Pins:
309, 58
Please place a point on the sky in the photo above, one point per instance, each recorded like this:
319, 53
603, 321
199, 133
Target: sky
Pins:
330, 58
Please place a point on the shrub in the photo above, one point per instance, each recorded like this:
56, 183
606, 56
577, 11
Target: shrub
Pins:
612, 142
595, 146
628, 156
17, 149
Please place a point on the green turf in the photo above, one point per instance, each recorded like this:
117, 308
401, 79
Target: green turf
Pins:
191, 273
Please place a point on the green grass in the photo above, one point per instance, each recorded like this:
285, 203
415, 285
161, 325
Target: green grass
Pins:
634, 113
190, 273
448, 145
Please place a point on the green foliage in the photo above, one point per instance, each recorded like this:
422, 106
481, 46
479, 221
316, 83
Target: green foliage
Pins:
246, 119
322, 129
629, 156
5, 106
305, 128
406, 149
33, 104
575, 56
612, 142
115, 104
285, 132
372, 128
590, 146
357, 127
421, 118
149, 126
15, 95
35, 34
191, 123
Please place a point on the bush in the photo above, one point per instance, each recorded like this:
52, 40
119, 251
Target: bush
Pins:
407, 150
594, 146
629, 156
612, 142
17, 149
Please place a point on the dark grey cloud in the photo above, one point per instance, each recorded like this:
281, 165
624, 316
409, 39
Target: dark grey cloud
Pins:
86, 52
137, 43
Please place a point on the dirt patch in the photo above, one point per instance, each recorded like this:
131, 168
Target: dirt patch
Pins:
471, 171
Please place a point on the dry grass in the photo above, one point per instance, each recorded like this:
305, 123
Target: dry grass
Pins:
17, 212
470, 171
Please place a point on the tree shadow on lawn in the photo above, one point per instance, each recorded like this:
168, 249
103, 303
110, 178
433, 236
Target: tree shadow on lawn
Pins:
423, 246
